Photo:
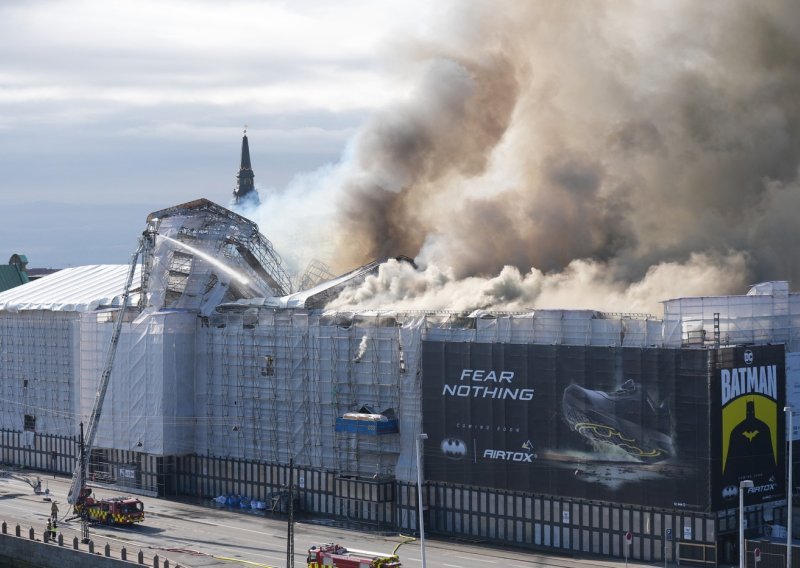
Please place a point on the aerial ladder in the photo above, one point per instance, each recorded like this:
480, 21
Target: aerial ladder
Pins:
117, 510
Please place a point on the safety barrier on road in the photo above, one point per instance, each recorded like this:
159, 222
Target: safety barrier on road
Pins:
49, 551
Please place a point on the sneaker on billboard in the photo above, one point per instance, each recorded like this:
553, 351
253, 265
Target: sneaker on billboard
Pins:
625, 418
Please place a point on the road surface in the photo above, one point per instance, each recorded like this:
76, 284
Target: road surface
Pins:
203, 535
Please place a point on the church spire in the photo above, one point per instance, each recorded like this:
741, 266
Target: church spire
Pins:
245, 192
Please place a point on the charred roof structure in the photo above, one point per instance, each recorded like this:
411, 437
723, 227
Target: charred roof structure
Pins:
199, 254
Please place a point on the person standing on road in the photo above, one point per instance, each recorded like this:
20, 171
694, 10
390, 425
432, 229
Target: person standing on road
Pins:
54, 512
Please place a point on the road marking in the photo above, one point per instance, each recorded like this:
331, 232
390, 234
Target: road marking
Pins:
473, 559
244, 561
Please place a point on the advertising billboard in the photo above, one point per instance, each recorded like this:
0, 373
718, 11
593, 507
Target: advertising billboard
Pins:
748, 427
629, 425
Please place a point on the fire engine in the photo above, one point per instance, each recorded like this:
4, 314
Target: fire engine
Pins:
113, 510
340, 557
110, 510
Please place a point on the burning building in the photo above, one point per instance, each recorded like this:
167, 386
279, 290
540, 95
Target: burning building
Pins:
560, 429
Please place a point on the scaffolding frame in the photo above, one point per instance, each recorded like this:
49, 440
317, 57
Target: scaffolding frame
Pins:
207, 234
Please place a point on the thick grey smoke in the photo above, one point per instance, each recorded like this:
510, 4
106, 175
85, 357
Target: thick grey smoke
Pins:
409, 155
605, 155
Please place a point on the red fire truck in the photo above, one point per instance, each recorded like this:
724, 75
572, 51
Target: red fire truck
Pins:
340, 557
109, 510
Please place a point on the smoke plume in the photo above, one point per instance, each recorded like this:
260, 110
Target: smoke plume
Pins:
581, 154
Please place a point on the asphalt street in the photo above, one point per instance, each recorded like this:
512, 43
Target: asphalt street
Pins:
203, 535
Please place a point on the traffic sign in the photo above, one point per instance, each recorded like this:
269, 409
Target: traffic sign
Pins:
628, 537
757, 554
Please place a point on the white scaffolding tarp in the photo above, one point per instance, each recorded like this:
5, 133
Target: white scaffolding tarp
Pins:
38, 360
265, 383
78, 289
149, 406
767, 314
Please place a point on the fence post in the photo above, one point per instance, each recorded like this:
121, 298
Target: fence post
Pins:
75, 543
141, 557
155, 561
123, 554
108, 550
31, 534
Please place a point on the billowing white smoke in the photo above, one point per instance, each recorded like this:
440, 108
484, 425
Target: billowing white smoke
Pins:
583, 284
576, 154
362, 348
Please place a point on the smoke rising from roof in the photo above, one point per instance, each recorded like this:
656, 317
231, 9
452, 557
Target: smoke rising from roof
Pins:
603, 155
583, 284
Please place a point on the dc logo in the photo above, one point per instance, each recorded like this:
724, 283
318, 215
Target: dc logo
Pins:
748, 357
454, 448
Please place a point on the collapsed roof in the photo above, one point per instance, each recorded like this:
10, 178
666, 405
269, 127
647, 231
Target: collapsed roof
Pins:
199, 254
196, 256
318, 295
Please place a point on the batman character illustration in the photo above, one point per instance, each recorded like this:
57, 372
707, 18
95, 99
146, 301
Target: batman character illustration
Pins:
750, 439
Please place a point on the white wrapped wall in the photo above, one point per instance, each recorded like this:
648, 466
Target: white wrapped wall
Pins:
267, 384
410, 417
551, 327
149, 404
271, 383
38, 362
768, 314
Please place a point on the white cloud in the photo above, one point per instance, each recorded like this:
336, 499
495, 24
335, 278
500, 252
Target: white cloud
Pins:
129, 94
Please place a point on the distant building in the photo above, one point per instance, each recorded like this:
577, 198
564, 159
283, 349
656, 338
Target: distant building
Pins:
36, 273
245, 192
14, 273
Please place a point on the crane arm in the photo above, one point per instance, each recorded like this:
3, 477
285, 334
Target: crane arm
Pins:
79, 474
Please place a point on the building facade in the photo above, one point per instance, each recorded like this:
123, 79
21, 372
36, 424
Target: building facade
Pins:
556, 429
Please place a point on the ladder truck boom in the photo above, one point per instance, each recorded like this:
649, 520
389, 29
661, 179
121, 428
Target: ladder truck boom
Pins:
79, 475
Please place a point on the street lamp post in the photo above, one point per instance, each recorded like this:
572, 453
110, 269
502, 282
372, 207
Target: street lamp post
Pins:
420, 438
743, 484
789, 490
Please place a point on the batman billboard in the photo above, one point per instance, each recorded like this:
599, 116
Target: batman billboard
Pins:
748, 426
608, 423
